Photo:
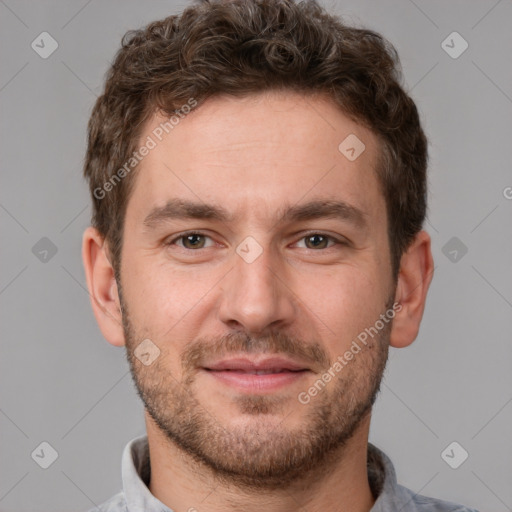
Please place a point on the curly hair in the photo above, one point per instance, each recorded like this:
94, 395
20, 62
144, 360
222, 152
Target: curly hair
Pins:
242, 47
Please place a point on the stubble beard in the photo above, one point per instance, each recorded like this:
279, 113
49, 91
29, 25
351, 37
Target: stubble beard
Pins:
261, 454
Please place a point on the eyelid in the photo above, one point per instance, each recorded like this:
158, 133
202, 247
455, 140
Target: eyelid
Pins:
338, 240
184, 234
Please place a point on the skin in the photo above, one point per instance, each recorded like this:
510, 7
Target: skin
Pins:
254, 156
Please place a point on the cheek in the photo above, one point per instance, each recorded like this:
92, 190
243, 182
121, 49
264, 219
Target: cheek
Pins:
163, 301
349, 286
344, 302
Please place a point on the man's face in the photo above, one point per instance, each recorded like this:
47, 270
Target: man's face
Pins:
252, 308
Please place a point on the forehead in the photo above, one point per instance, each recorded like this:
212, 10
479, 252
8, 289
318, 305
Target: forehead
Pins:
258, 152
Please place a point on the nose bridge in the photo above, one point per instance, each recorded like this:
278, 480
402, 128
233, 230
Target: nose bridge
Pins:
254, 296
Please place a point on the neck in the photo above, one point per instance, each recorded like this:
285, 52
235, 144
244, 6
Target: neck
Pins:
183, 484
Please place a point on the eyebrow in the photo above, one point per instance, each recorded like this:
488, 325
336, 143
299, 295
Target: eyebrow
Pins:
180, 209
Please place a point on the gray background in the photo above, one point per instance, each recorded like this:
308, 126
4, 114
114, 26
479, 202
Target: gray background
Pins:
62, 383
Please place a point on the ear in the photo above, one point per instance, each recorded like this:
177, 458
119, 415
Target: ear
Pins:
414, 277
102, 287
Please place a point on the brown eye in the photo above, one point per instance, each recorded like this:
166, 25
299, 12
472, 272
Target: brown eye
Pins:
193, 241
316, 241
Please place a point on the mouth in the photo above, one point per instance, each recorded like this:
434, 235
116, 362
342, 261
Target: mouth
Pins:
257, 376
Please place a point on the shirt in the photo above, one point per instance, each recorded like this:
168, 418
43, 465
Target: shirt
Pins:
389, 495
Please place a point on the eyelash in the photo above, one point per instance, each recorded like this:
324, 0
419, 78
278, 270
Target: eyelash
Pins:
189, 233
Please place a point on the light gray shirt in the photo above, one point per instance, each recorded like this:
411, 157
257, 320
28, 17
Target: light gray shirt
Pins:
389, 495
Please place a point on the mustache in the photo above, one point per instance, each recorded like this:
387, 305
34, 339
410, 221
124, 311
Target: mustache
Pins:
197, 352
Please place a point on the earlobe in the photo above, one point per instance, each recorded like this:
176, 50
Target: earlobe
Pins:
102, 286
415, 275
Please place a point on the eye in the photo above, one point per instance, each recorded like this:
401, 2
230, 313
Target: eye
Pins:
191, 240
319, 241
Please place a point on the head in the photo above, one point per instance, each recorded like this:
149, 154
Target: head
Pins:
258, 178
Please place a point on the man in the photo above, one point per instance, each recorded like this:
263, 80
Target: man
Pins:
258, 178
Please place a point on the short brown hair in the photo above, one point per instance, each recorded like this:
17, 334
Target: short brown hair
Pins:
239, 47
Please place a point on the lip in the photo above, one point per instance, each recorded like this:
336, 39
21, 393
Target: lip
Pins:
250, 365
240, 373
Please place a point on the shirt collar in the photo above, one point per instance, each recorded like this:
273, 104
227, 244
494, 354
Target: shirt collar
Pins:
136, 474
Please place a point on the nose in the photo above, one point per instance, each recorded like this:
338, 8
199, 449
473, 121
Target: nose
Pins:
255, 295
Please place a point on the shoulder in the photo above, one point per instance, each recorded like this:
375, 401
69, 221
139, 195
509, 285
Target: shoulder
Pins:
115, 504
413, 502
392, 497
